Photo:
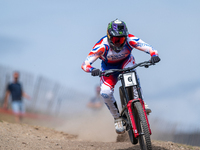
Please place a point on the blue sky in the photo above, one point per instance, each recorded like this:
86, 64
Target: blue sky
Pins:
53, 38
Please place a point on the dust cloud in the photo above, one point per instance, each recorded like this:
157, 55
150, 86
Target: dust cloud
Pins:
91, 125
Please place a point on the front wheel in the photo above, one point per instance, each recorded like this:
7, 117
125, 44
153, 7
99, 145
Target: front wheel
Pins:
143, 130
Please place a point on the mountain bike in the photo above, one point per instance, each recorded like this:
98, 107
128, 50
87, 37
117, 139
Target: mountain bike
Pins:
133, 111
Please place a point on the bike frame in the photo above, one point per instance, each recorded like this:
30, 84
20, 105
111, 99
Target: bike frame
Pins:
129, 103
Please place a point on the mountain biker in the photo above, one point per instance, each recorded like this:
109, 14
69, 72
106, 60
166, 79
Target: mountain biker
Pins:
115, 52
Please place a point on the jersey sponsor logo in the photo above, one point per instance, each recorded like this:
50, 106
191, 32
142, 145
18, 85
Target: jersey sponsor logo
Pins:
118, 56
142, 45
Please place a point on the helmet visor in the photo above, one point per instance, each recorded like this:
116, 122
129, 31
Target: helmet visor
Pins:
118, 41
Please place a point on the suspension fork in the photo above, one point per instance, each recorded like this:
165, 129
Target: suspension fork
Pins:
142, 102
145, 114
130, 111
131, 116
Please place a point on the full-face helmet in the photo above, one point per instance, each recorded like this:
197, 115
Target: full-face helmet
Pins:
117, 33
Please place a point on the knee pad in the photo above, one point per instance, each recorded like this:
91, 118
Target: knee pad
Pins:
109, 100
107, 94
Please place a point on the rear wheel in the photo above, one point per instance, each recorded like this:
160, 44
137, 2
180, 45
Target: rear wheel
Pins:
143, 130
130, 129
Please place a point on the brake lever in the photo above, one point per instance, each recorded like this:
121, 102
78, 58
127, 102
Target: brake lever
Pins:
106, 73
103, 73
147, 64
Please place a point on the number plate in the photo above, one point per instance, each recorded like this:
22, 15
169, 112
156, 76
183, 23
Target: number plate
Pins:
130, 79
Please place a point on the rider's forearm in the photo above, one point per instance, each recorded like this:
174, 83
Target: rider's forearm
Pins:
87, 67
141, 45
91, 58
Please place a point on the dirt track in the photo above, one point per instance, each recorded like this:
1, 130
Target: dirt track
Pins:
89, 131
26, 137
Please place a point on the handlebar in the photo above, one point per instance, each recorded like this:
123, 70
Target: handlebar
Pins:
145, 64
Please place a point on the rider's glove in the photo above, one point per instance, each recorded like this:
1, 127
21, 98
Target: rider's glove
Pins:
155, 59
95, 72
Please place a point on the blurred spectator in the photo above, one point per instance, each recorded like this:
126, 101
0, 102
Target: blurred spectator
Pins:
97, 101
16, 91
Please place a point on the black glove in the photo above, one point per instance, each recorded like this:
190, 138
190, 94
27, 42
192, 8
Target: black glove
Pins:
155, 59
95, 72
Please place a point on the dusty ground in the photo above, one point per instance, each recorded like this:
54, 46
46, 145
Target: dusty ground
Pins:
31, 137
26, 137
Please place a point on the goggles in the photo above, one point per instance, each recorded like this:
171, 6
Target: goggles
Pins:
118, 40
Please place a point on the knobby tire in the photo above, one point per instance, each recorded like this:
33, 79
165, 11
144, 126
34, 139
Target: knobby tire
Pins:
141, 123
